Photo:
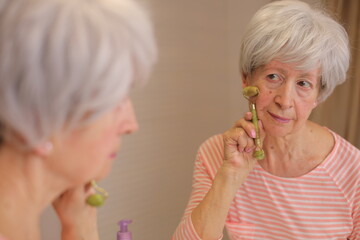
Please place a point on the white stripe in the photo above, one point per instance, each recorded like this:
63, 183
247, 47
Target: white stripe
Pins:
297, 202
304, 194
304, 220
314, 210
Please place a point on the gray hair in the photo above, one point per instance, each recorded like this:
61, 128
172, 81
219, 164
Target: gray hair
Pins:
63, 59
294, 32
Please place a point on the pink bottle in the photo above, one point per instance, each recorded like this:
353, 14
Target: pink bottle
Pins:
124, 233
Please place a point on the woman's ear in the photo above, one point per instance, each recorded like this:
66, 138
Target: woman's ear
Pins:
316, 103
244, 80
44, 149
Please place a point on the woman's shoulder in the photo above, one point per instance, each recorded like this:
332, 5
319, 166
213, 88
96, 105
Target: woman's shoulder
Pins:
344, 159
333, 143
343, 165
344, 146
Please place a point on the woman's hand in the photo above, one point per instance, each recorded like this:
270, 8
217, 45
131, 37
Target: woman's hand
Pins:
210, 214
78, 219
239, 145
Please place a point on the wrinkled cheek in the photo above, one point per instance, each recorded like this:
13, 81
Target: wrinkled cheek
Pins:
261, 107
306, 109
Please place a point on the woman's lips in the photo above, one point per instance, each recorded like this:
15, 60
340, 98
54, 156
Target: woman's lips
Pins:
279, 119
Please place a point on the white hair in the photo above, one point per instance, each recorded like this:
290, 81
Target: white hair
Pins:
63, 59
294, 32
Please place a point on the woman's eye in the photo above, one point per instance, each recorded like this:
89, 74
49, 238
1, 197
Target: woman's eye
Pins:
304, 84
273, 77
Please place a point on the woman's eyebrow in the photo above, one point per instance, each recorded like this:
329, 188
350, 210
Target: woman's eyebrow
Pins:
309, 76
277, 69
285, 72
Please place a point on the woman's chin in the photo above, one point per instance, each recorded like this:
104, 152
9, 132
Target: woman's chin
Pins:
276, 131
105, 171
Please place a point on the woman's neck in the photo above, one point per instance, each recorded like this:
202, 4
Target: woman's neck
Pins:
297, 154
25, 191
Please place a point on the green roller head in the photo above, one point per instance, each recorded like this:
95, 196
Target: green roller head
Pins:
95, 200
259, 154
250, 91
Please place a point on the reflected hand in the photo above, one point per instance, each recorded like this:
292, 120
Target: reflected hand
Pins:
78, 219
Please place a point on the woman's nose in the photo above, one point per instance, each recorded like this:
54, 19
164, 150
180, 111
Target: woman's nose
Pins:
129, 123
284, 97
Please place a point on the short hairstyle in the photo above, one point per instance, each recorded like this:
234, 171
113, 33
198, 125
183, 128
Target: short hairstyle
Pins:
294, 32
63, 59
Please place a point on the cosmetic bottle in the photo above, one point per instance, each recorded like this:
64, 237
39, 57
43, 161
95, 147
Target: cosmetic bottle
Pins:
124, 233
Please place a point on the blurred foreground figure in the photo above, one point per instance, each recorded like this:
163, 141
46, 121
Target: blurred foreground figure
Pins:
66, 68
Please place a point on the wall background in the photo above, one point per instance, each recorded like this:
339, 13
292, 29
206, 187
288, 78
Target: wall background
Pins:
195, 92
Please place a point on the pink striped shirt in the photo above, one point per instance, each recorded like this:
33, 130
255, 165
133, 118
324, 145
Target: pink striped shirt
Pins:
323, 204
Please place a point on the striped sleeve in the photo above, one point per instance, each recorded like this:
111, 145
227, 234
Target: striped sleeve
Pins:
356, 217
346, 174
202, 181
351, 185
354, 197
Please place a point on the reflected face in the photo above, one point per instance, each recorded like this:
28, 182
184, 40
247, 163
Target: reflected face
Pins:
287, 96
88, 152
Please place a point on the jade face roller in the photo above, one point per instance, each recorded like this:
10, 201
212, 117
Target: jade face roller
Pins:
249, 93
97, 199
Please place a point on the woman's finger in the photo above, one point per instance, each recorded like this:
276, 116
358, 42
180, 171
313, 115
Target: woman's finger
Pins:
248, 116
236, 139
248, 126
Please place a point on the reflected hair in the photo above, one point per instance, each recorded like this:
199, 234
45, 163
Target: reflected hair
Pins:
293, 32
62, 60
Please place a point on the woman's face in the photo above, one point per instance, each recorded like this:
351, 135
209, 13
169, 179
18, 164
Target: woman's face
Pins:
88, 152
287, 96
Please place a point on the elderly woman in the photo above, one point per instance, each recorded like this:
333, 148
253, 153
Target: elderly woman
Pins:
307, 185
66, 67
